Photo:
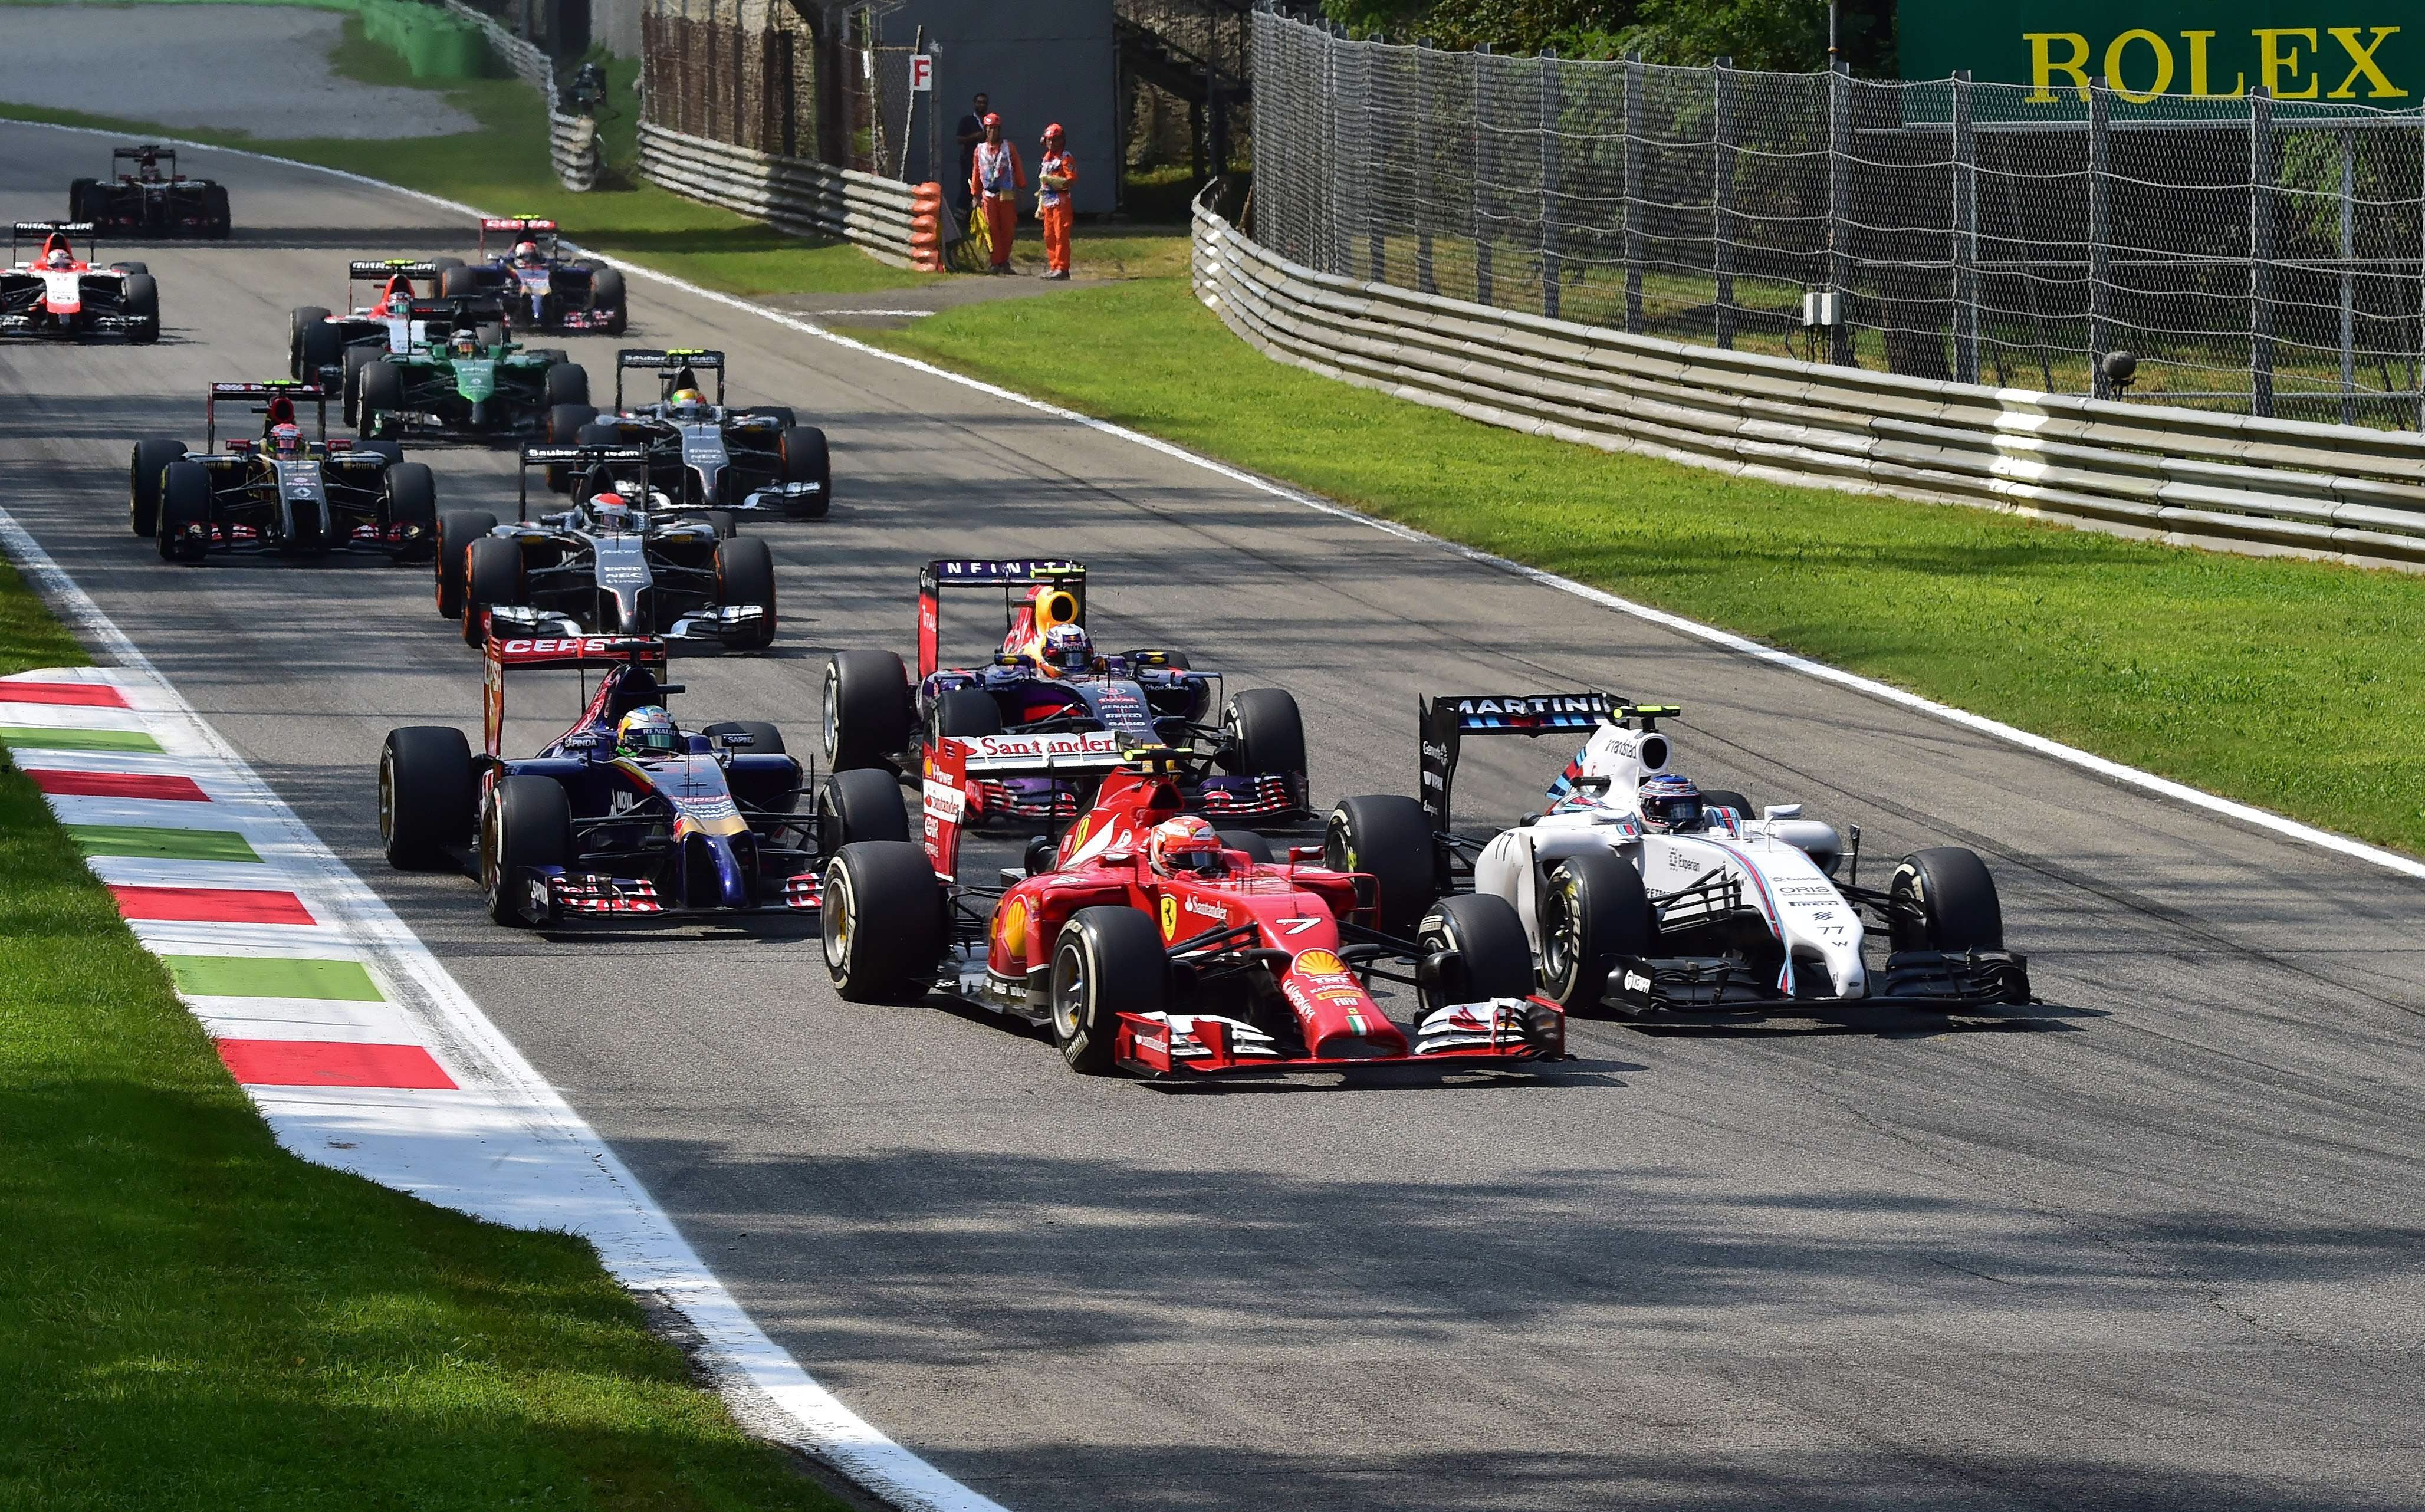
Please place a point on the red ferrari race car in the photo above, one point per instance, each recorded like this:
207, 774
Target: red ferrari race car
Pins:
1157, 945
60, 296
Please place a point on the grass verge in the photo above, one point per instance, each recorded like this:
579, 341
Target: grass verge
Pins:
2286, 683
192, 1318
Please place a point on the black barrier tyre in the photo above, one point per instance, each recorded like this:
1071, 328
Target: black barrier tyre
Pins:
1390, 839
184, 530
806, 458
1944, 898
884, 920
1488, 937
381, 390
457, 282
1256, 847
457, 530
1724, 797
964, 712
1593, 909
302, 322
1266, 734
866, 708
568, 383
142, 305
1106, 962
863, 803
526, 822
607, 288
427, 798
744, 573
152, 458
412, 508
492, 574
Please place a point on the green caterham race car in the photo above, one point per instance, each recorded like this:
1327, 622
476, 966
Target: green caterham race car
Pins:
465, 383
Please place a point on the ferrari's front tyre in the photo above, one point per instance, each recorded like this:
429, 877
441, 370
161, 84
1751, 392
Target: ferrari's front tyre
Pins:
568, 383
863, 803
426, 796
184, 525
412, 510
744, 573
806, 458
1593, 909
381, 390
302, 321
525, 824
866, 708
1944, 898
1107, 961
152, 458
1388, 838
1488, 937
142, 293
492, 574
607, 289
457, 530
884, 920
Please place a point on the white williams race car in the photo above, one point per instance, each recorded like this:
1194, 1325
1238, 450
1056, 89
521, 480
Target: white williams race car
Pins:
1640, 893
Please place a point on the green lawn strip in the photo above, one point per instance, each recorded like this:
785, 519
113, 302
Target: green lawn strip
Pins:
151, 843
2291, 684
54, 737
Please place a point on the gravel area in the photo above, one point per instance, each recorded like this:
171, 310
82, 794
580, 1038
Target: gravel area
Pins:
257, 69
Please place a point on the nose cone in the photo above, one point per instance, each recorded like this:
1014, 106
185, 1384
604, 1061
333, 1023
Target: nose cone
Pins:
731, 879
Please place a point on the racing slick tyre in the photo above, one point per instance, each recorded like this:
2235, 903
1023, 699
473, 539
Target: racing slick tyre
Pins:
302, 322
863, 803
607, 288
143, 304
1258, 849
152, 458
744, 573
884, 920
82, 195
319, 344
219, 216
360, 355
381, 390
565, 422
184, 524
806, 458
457, 530
780, 414
568, 383
1493, 960
1593, 909
442, 264
1266, 734
456, 282
964, 712
727, 524
1108, 961
129, 268
392, 450
1388, 838
867, 712
412, 508
527, 822
1726, 797
1943, 898
426, 796
492, 574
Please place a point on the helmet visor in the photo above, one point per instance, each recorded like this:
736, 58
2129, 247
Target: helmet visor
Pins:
1672, 811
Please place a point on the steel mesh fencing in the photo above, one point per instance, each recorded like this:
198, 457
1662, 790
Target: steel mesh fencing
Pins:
743, 72
2253, 254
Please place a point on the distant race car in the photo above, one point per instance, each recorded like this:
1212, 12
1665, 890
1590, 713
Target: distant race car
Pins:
1639, 891
331, 349
59, 297
464, 383
638, 565
145, 195
539, 287
283, 492
874, 716
620, 816
700, 450
1152, 944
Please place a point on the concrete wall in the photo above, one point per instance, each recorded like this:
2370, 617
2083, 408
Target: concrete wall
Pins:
1040, 61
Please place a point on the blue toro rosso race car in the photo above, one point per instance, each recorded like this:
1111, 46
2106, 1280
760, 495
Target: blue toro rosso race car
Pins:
626, 812
1046, 677
539, 287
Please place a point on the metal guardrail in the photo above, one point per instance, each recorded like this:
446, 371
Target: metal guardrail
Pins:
891, 221
2186, 476
573, 140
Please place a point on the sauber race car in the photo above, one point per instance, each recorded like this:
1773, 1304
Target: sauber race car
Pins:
539, 287
623, 560
626, 812
283, 490
145, 195
1046, 678
701, 451
60, 296
1639, 891
464, 382
1154, 944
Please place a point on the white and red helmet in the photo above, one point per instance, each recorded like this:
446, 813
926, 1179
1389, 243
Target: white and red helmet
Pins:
60, 257
1186, 846
526, 254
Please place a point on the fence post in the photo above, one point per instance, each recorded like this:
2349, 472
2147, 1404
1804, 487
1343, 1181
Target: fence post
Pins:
1722, 200
1632, 207
1966, 234
1424, 144
2348, 285
2260, 252
1839, 209
1551, 271
1367, 165
1483, 143
2100, 239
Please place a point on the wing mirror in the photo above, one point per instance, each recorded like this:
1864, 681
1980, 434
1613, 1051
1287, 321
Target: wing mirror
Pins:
735, 739
1781, 810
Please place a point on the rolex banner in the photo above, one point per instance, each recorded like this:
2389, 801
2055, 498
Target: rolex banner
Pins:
2217, 49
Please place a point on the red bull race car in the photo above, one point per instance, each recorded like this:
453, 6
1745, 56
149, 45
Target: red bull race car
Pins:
56, 296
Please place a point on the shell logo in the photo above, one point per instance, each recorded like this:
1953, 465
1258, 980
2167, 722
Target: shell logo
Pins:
1169, 917
1319, 962
1012, 931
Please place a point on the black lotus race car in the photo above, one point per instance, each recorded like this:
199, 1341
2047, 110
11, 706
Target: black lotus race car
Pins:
465, 383
646, 566
336, 495
585, 831
60, 296
551, 292
145, 195
703, 452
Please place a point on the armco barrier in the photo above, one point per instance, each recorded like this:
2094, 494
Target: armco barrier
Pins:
2192, 478
890, 221
573, 140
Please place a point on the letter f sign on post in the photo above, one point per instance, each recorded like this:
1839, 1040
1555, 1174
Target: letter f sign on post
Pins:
922, 74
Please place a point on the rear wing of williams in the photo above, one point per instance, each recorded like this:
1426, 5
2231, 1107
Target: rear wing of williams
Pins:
668, 363
581, 653
955, 764
40, 231
579, 459
269, 392
1065, 603
1447, 719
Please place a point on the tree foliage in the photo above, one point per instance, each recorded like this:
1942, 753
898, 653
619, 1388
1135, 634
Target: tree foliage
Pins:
1788, 35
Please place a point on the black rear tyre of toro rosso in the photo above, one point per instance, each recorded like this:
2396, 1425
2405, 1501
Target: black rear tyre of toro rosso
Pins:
412, 508
492, 574
964, 712
1493, 960
863, 803
1390, 839
143, 474
806, 458
1107, 961
457, 530
527, 822
607, 288
426, 795
1944, 898
1593, 909
744, 573
184, 527
867, 712
884, 923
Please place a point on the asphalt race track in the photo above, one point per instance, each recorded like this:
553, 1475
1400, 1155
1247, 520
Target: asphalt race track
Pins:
2153, 1244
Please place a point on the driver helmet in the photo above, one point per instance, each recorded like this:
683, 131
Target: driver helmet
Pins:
466, 344
286, 441
525, 254
687, 399
613, 510
399, 296
1067, 649
1670, 803
61, 258
648, 731
1186, 846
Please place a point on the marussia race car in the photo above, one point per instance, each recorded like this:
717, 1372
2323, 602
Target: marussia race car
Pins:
465, 383
328, 496
702, 452
148, 197
1706, 908
644, 565
59, 297
1247, 966
541, 290
1148, 698
703, 821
